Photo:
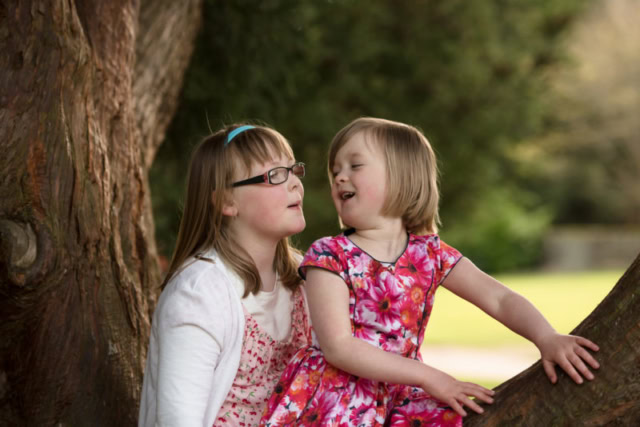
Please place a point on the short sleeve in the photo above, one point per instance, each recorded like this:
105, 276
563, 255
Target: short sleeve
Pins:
448, 258
326, 254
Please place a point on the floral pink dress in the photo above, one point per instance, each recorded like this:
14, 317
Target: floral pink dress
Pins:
262, 362
389, 306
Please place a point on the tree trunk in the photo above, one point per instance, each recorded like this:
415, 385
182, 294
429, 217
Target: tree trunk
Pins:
612, 399
87, 89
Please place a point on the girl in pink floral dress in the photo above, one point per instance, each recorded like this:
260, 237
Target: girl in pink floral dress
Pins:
371, 290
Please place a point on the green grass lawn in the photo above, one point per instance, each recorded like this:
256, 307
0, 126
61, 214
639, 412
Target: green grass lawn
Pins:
565, 299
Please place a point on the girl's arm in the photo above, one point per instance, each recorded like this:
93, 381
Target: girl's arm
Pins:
195, 328
186, 365
518, 314
328, 298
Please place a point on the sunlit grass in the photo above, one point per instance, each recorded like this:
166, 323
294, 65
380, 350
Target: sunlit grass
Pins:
565, 299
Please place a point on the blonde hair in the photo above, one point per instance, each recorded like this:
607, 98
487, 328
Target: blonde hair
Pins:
203, 226
412, 172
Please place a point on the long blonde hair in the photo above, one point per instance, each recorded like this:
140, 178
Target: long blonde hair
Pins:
203, 226
412, 172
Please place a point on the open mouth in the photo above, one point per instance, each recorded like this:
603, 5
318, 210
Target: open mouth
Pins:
347, 195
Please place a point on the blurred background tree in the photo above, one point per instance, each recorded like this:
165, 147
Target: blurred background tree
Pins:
588, 159
475, 76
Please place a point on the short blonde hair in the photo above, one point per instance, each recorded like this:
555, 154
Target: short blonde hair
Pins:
412, 172
203, 226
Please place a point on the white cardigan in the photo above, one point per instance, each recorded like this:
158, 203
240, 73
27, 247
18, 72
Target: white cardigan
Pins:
194, 348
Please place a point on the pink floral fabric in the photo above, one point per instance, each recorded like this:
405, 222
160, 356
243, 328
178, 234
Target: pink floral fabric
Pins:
389, 305
262, 362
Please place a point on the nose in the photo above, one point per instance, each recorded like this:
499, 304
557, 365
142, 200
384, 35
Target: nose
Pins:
340, 177
294, 182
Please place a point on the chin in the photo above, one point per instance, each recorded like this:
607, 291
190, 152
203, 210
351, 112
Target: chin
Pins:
298, 227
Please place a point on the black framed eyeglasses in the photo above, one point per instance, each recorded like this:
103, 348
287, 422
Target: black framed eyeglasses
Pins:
274, 176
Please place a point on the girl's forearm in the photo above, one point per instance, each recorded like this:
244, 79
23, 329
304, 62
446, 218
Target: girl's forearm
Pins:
362, 359
498, 301
519, 315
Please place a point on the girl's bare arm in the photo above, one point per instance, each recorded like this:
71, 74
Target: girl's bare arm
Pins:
518, 314
328, 298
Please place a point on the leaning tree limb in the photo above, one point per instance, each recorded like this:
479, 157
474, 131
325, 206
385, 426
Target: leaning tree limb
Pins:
611, 399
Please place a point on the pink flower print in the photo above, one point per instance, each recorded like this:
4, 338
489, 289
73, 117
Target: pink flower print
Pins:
320, 409
415, 414
422, 412
281, 418
362, 414
384, 300
359, 283
390, 342
409, 317
448, 258
322, 254
357, 264
298, 384
314, 377
418, 265
417, 294
364, 389
451, 418
365, 334
374, 269
344, 400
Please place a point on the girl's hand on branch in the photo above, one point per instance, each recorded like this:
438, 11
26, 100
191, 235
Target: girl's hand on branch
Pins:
568, 352
456, 393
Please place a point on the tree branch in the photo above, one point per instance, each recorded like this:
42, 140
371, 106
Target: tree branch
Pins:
164, 45
613, 398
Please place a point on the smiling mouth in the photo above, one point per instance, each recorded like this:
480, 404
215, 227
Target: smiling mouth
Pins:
347, 195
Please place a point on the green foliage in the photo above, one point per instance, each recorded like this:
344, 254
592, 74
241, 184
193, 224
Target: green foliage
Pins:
468, 73
504, 233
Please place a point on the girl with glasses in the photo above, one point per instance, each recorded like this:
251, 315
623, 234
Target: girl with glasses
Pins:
232, 311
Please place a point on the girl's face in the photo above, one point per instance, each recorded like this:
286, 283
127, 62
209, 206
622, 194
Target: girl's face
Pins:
265, 211
359, 182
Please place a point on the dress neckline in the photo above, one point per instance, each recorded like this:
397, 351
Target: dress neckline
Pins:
350, 231
289, 336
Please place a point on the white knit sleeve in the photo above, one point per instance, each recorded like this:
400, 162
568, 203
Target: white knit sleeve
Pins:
192, 322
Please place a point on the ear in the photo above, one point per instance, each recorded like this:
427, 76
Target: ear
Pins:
228, 207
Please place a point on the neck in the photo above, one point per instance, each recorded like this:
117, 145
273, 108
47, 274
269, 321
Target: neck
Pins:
263, 253
384, 243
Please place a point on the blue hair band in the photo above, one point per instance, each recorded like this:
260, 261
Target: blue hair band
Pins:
236, 131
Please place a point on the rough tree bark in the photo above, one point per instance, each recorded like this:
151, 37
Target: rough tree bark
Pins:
87, 89
612, 399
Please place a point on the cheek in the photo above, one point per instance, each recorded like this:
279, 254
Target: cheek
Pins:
374, 194
264, 203
334, 194
273, 201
